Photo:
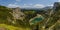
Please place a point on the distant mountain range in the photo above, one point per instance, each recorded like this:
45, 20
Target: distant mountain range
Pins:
45, 8
48, 7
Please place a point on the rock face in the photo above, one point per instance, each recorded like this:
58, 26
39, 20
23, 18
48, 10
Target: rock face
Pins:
57, 15
56, 6
17, 14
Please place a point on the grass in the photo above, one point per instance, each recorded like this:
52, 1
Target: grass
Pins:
10, 27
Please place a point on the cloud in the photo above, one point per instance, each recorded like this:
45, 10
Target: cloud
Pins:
12, 5
15, 5
30, 4
50, 5
39, 6
26, 6
17, 0
33, 6
58, 0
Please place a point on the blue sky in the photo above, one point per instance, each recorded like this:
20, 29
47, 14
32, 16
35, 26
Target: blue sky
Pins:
28, 3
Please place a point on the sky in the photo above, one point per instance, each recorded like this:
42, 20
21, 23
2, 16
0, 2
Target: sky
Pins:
27, 3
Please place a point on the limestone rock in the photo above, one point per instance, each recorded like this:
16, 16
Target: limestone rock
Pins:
17, 14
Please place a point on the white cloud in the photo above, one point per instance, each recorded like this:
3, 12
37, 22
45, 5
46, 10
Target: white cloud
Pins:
39, 6
26, 6
12, 5
33, 6
58, 0
17, 0
15, 5
30, 4
50, 5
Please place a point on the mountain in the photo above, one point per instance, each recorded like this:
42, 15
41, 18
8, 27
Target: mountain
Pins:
44, 8
47, 7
